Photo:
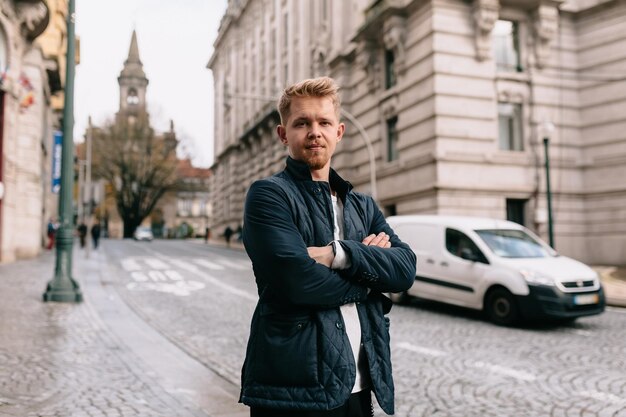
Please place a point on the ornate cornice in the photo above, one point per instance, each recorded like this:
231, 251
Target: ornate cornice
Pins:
485, 15
394, 35
367, 60
33, 16
546, 29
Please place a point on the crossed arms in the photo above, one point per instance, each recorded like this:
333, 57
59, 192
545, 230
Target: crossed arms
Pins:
302, 275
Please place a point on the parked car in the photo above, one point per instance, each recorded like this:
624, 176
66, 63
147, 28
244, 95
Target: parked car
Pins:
143, 233
497, 266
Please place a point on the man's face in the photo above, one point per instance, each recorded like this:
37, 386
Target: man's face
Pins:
312, 131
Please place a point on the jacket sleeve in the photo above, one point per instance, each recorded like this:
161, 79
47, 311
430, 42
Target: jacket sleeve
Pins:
381, 269
279, 254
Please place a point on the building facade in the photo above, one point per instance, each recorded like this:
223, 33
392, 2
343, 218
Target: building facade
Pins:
32, 69
456, 98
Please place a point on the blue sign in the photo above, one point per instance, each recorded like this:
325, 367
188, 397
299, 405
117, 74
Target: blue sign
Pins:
57, 149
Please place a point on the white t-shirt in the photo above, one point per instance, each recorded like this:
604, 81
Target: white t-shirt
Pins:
349, 311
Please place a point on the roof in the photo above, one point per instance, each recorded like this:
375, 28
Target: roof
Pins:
186, 170
469, 222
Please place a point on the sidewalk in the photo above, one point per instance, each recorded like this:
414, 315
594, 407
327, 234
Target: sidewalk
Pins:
614, 282
96, 358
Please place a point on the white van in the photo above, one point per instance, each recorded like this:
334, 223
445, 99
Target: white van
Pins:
497, 266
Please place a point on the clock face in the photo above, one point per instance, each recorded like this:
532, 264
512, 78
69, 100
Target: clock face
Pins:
132, 98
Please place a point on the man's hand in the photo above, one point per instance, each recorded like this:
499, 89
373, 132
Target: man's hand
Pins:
322, 255
381, 240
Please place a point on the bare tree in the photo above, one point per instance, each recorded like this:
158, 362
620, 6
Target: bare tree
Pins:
139, 165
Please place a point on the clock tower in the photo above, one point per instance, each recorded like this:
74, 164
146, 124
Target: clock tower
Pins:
133, 83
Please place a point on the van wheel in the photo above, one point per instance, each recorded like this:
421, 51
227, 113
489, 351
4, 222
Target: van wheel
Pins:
501, 307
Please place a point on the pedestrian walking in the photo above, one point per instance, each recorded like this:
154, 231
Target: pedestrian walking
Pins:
207, 234
228, 233
239, 233
51, 232
323, 255
82, 233
95, 234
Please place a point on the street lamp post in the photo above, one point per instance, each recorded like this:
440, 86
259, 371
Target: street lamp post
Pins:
546, 144
547, 129
62, 287
350, 118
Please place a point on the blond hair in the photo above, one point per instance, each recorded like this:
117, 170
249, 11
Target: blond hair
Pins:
313, 87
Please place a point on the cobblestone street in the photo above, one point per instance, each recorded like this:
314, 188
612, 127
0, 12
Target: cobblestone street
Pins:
72, 360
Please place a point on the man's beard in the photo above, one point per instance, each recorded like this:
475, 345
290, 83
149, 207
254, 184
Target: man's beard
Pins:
316, 162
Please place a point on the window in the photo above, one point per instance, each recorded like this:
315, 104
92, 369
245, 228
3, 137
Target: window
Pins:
460, 245
392, 139
510, 127
513, 244
515, 210
507, 46
286, 31
390, 69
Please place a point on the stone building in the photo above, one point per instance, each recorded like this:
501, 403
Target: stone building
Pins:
32, 72
456, 97
192, 200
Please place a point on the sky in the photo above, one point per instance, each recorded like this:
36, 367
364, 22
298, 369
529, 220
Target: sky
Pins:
175, 44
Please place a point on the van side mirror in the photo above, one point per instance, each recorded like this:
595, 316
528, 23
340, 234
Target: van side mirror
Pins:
467, 254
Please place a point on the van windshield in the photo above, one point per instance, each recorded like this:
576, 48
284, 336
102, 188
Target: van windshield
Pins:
513, 244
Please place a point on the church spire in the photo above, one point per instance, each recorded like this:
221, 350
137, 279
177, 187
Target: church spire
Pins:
133, 52
133, 66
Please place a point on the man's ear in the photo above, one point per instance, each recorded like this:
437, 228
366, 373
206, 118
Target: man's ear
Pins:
282, 134
340, 131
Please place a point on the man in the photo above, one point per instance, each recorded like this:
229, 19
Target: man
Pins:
322, 256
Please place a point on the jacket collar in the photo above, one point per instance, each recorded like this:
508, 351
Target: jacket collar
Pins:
300, 172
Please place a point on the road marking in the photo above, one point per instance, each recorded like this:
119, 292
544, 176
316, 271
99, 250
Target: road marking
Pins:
156, 263
208, 264
157, 276
421, 349
503, 370
235, 265
139, 276
174, 275
129, 265
183, 265
180, 288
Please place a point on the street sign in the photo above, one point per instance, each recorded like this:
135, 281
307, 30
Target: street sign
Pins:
56, 161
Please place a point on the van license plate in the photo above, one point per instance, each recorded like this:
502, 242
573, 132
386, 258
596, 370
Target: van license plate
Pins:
586, 299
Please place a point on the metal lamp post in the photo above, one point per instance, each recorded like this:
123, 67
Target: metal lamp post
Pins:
62, 287
547, 129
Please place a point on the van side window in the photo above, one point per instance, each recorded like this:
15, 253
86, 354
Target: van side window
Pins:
460, 245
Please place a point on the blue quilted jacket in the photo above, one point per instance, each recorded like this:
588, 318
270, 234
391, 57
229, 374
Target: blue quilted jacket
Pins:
298, 354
